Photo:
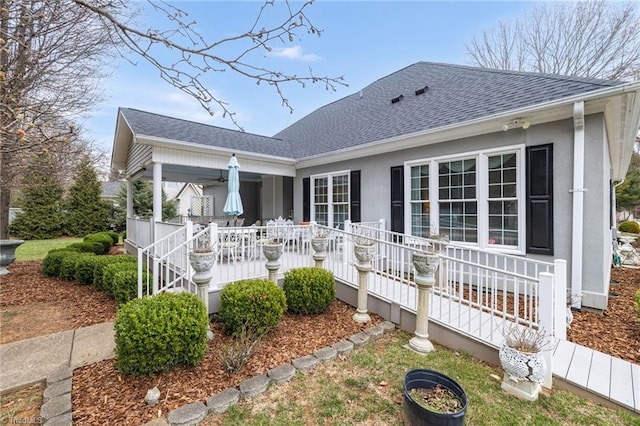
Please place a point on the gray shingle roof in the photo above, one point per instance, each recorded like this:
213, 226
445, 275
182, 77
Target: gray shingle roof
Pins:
111, 189
160, 126
456, 93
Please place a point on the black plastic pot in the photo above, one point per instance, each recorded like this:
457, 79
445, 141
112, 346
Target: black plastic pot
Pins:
416, 415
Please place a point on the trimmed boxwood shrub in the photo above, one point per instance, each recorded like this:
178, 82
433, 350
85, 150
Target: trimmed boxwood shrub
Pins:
86, 247
68, 265
53, 260
158, 333
629, 226
252, 306
120, 281
100, 262
309, 290
102, 238
86, 265
115, 237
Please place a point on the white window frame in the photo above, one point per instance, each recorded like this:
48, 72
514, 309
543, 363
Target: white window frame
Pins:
482, 194
329, 176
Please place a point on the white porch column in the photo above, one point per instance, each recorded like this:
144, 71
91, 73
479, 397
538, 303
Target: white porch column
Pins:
129, 198
157, 192
578, 202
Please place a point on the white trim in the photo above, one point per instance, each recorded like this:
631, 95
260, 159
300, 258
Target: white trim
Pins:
482, 200
577, 192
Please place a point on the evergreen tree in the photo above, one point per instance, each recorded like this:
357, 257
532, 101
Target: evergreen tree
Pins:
86, 212
41, 202
142, 204
628, 193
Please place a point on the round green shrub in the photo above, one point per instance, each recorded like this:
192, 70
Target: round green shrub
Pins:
102, 238
629, 226
158, 333
120, 281
100, 262
53, 260
86, 266
69, 264
115, 237
309, 290
251, 306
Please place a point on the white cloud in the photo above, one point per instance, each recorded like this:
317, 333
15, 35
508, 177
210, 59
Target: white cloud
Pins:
295, 52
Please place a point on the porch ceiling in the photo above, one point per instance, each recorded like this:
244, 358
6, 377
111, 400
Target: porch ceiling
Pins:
197, 175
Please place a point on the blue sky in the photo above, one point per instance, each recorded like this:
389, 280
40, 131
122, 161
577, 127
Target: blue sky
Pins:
361, 40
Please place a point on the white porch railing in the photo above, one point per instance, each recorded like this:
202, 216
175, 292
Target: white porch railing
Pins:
139, 231
475, 292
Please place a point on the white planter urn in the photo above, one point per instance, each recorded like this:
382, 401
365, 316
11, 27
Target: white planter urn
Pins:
425, 264
519, 366
523, 372
202, 261
364, 253
272, 251
320, 246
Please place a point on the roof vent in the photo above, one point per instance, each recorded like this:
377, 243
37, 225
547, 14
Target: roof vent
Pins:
397, 99
422, 90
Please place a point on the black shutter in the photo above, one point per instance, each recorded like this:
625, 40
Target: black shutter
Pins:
306, 199
540, 199
397, 199
355, 196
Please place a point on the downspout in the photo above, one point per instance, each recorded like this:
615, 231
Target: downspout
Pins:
578, 190
157, 198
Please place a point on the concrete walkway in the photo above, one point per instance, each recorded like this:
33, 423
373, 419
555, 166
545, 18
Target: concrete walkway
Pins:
30, 361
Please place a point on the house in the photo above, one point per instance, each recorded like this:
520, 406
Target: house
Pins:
514, 162
187, 197
111, 192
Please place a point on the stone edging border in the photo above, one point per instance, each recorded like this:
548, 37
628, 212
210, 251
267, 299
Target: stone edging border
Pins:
56, 407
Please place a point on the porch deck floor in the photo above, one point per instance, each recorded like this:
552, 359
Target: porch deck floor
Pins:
607, 377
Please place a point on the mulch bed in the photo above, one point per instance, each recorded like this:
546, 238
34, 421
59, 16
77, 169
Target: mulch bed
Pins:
102, 396
616, 331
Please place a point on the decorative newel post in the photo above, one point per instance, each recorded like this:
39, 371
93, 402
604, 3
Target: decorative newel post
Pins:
273, 251
364, 254
425, 265
319, 245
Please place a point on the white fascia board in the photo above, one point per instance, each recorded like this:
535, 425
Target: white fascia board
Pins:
622, 121
205, 149
536, 114
193, 155
121, 142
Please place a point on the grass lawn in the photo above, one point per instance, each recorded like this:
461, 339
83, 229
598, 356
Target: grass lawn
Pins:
38, 249
366, 389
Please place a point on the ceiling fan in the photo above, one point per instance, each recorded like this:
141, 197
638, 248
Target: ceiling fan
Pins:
221, 178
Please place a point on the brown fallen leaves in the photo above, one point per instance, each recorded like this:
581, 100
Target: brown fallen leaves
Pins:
32, 305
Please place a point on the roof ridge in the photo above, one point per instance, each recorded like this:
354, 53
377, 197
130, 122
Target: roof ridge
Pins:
559, 77
199, 123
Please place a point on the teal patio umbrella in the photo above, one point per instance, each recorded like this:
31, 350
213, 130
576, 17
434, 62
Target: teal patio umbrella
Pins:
233, 205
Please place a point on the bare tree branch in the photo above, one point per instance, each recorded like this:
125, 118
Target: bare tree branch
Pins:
592, 38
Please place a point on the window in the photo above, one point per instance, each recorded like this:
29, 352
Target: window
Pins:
458, 204
420, 212
330, 199
477, 198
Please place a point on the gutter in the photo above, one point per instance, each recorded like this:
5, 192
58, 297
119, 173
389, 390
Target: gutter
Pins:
577, 229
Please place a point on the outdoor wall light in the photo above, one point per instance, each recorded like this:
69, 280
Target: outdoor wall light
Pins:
515, 124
